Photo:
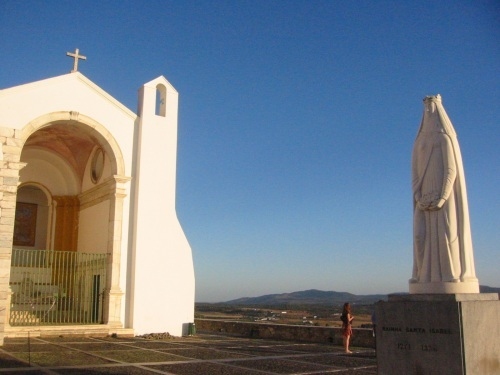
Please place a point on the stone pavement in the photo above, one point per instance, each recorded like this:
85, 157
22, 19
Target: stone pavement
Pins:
202, 354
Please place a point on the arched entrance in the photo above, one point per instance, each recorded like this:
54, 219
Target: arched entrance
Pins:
68, 211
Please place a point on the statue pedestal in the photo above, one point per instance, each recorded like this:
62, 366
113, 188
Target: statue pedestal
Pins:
438, 334
471, 286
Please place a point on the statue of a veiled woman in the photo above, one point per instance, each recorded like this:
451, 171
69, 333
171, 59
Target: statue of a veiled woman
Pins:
442, 245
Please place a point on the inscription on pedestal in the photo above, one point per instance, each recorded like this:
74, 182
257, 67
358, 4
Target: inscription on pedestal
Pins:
439, 334
418, 338
429, 346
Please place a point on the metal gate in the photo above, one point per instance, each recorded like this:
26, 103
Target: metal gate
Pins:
56, 287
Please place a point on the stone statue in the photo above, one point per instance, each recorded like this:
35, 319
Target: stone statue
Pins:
442, 244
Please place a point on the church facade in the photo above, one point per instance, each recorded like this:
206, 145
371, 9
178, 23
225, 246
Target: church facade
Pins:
89, 237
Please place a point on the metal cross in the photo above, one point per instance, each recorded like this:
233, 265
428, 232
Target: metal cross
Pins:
76, 56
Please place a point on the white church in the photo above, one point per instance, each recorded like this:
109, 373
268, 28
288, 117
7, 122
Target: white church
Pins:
90, 242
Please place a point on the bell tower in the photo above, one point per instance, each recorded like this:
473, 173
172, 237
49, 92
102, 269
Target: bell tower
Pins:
162, 285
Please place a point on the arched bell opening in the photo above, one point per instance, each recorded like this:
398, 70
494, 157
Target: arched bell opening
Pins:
161, 100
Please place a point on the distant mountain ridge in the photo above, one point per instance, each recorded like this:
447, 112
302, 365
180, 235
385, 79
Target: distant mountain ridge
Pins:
488, 289
309, 297
319, 297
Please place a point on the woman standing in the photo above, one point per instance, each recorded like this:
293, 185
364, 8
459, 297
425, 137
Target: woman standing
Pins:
347, 319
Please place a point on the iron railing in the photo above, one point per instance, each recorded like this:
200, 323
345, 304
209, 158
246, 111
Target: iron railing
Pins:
56, 287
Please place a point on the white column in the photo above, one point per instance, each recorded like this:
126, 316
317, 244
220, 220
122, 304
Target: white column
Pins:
162, 295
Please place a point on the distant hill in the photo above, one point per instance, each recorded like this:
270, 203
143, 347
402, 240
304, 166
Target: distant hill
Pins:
488, 289
319, 297
308, 297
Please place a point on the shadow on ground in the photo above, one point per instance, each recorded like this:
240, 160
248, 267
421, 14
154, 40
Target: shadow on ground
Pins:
202, 354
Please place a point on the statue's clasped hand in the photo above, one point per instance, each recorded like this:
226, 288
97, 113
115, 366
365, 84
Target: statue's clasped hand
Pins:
431, 206
423, 206
437, 205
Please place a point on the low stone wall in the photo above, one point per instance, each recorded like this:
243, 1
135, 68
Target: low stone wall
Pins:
362, 337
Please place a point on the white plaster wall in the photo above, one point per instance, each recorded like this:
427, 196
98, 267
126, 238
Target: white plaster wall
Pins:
93, 228
49, 170
87, 182
69, 92
163, 283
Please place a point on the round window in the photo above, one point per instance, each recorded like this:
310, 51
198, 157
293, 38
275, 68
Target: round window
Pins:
97, 166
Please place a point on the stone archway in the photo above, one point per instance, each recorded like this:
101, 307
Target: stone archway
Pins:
72, 138
101, 134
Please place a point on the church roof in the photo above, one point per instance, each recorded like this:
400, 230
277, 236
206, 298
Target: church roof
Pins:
65, 80
161, 80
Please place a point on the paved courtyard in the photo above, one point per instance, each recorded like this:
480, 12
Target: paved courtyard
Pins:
202, 354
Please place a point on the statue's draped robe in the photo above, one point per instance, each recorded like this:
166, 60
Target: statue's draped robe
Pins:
442, 238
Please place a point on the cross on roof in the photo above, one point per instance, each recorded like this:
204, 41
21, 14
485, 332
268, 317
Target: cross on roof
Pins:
76, 56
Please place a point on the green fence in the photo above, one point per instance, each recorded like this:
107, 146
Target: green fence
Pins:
56, 287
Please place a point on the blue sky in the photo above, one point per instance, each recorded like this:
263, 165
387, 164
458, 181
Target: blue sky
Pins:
296, 125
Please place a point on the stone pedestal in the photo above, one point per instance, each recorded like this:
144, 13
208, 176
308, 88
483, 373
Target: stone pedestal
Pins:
439, 334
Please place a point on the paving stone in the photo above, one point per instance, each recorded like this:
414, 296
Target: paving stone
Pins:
203, 353
8, 361
354, 372
16, 348
62, 358
118, 370
116, 339
16, 340
154, 345
96, 346
66, 339
340, 360
313, 348
199, 355
205, 369
279, 366
352, 361
139, 356
257, 352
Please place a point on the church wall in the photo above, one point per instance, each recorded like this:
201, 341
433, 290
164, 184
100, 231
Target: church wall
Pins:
93, 229
50, 171
87, 182
10, 151
48, 99
159, 270
51, 96
94, 234
163, 281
